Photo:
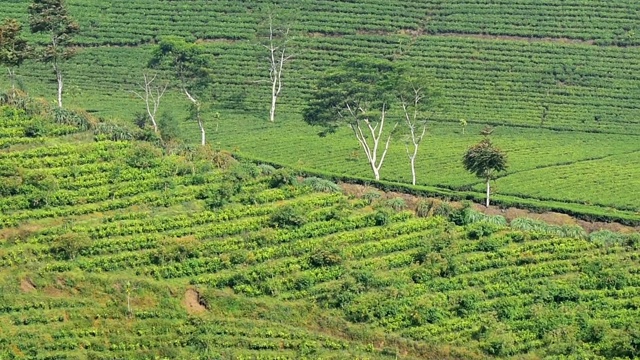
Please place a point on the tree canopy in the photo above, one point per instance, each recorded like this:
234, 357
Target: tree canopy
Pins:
14, 50
189, 62
359, 89
484, 159
51, 17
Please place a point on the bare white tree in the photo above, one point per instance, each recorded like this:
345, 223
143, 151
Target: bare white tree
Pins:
151, 95
375, 130
277, 46
417, 127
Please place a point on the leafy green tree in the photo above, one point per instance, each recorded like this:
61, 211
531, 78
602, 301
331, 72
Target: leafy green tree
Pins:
358, 94
14, 50
51, 17
192, 67
484, 160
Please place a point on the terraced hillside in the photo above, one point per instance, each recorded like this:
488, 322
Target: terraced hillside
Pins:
560, 79
109, 249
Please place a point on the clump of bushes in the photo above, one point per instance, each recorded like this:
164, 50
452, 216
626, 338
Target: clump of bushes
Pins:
321, 185
282, 177
397, 203
530, 225
288, 217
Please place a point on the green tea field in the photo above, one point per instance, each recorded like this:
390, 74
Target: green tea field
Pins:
558, 80
110, 249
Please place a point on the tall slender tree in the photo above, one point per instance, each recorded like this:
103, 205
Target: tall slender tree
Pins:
484, 160
14, 50
418, 105
277, 38
52, 18
192, 67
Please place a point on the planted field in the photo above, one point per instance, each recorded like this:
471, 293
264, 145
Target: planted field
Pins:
124, 22
557, 78
110, 249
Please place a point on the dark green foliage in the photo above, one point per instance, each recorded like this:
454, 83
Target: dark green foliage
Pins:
14, 50
141, 119
189, 62
168, 127
484, 159
382, 216
36, 128
69, 246
325, 258
288, 217
143, 155
482, 229
359, 83
283, 177
221, 195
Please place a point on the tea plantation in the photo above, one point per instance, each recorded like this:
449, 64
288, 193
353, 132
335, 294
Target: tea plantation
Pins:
120, 249
559, 80
116, 243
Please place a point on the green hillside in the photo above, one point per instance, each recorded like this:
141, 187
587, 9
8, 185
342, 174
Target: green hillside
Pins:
559, 79
110, 249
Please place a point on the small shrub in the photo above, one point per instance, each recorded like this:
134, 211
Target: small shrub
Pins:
606, 237
68, 246
481, 229
288, 217
217, 197
443, 209
266, 169
223, 159
282, 177
143, 156
382, 216
424, 208
397, 204
35, 129
325, 258
73, 118
141, 119
242, 172
321, 185
371, 196
113, 132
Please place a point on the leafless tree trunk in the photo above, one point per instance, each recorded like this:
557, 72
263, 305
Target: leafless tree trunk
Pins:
417, 128
375, 132
197, 116
58, 72
151, 97
488, 190
277, 58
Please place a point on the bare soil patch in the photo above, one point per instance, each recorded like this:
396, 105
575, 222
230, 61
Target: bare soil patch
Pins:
26, 285
192, 302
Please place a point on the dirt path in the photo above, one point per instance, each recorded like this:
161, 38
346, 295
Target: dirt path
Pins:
552, 218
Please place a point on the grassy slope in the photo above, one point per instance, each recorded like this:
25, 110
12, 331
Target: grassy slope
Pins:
503, 81
229, 284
